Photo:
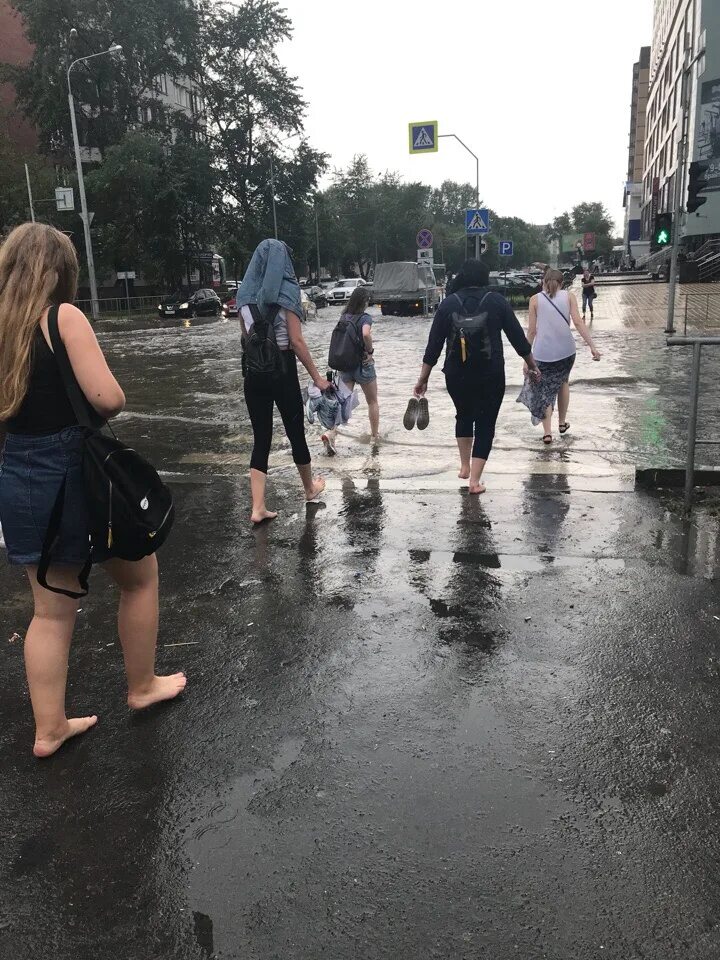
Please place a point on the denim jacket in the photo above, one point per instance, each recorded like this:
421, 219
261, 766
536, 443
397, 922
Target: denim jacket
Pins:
270, 279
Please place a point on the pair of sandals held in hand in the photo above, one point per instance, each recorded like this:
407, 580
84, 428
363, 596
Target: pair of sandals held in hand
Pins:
417, 414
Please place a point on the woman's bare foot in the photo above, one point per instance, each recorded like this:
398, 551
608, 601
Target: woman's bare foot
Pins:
161, 688
464, 472
260, 516
317, 488
47, 745
476, 488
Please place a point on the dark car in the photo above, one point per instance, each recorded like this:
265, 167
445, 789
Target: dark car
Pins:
202, 303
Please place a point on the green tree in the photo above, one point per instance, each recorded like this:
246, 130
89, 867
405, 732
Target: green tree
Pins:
152, 201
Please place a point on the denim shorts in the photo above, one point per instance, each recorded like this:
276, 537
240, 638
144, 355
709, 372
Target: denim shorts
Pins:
365, 373
32, 470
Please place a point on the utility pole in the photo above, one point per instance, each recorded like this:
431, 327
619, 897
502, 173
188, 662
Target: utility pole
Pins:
317, 241
112, 50
685, 90
272, 187
30, 198
477, 183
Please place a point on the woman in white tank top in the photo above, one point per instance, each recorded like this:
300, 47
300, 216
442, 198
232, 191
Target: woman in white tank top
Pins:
550, 333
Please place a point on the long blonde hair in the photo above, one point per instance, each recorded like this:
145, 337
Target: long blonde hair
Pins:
552, 282
38, 267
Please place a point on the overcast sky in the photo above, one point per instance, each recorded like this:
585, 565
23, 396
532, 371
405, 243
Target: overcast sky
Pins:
539, 90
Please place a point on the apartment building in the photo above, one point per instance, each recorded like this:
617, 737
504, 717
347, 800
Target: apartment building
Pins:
677, 31
636, 149
16, 50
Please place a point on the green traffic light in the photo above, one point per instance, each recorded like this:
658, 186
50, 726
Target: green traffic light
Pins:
663, 238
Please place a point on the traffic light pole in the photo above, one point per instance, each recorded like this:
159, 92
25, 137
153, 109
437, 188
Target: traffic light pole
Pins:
680, 184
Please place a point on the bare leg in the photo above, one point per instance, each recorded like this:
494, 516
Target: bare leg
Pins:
314, 486
563, 402
476, 472
47, 647
371, 395
138, 627
260, 512
547, 422
465, 448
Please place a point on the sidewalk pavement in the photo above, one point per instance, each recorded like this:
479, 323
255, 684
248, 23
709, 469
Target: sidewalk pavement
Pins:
418, 724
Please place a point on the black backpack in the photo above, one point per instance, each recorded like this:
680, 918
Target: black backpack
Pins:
469, 336
262, 358
130, 510
346, 344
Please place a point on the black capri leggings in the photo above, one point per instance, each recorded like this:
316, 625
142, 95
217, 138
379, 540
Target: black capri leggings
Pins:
477, 404
260, 395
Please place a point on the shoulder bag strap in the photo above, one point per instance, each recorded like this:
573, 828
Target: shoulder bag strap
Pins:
77, 398
53, 530
557, 308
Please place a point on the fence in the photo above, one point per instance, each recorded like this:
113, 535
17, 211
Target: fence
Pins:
120, 306
697, 343
700, 307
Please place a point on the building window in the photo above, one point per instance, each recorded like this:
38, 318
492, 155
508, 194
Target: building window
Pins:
161, 84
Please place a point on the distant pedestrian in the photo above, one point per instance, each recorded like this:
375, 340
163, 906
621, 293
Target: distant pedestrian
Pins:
270, 316
38, 272
588, 292
364, 374
553, 347
469, 323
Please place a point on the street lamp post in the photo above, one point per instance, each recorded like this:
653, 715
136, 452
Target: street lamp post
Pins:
685, 91
115, 48
317, 242
477, 182
272, 187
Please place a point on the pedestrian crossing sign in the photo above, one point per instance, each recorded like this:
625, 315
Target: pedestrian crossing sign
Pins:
423, 137
477, 222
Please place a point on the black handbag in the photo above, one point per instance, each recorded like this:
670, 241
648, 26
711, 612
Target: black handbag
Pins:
130, 510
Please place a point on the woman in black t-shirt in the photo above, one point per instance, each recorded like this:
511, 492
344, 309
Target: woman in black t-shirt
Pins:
43, 452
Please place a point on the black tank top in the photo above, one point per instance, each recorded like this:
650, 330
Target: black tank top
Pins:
46, 408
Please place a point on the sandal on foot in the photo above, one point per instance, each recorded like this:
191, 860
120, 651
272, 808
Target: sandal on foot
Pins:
411, 414
564, 427
547, 439
329, 445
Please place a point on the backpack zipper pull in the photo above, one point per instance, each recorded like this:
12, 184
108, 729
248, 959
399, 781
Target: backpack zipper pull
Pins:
463, 346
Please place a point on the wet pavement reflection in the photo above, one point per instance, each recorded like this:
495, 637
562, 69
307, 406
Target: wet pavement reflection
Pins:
419, 724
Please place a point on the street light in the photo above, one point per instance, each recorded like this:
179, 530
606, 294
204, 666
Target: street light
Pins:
115, 48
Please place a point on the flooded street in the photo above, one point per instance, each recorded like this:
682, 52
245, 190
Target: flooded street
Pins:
418, 724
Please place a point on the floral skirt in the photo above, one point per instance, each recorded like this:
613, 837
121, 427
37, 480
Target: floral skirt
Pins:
537, 397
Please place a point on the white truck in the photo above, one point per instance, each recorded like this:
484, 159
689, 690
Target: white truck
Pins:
405, 289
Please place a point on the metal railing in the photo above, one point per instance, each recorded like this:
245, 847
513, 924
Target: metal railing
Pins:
120, 306
701, 307
697, 343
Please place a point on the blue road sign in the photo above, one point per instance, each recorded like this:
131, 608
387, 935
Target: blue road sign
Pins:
477, 222
423, 137
505, 248
425, 239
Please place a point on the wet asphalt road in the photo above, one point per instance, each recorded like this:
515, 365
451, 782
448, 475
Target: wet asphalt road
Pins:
418, 725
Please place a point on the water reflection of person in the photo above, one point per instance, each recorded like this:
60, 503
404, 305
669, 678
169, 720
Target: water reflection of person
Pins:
364, 515
546, 514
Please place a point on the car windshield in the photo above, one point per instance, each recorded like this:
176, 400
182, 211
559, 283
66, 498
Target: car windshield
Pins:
348, 283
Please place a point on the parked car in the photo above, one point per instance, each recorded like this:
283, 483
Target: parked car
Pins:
202, 303
342, 292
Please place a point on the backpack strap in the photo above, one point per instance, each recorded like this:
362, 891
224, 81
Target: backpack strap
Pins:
78, 400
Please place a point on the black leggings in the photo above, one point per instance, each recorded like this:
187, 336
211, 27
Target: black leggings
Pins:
477, 403
260, 395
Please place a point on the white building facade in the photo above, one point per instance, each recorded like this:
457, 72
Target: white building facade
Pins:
678, 28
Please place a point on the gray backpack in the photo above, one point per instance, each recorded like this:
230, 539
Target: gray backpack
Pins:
346, 344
